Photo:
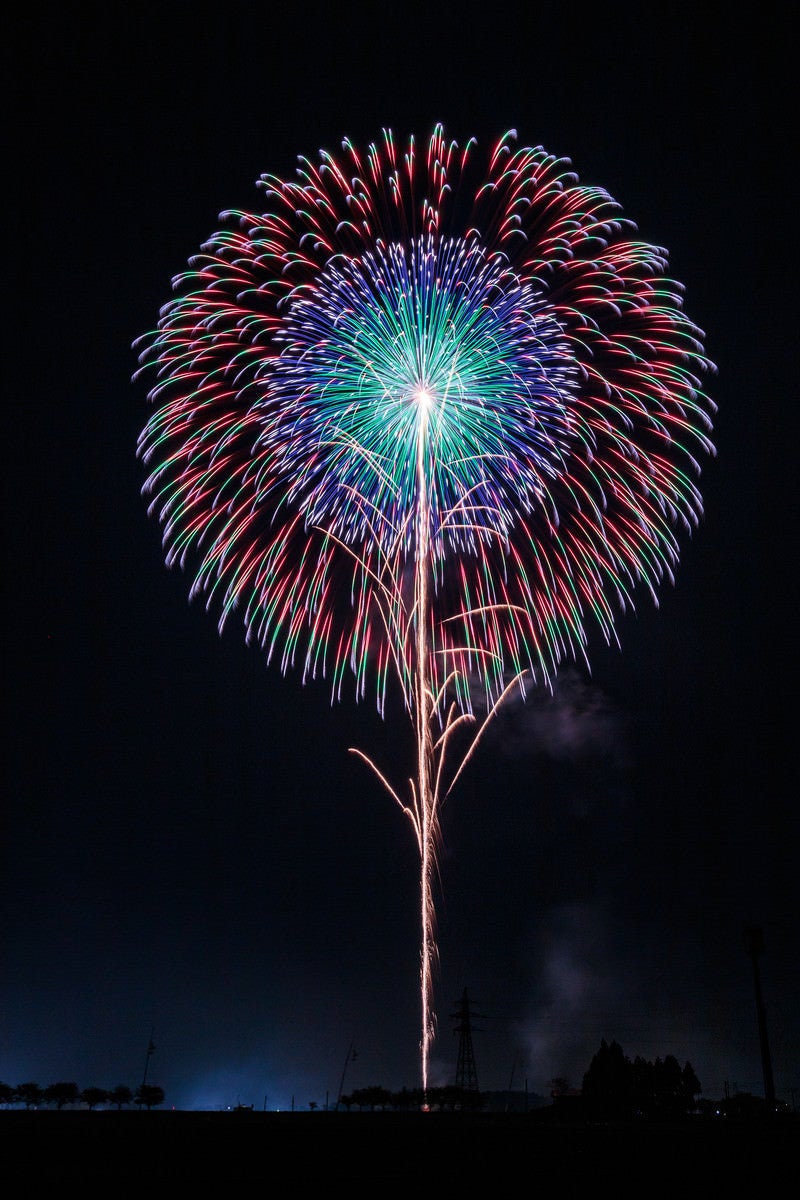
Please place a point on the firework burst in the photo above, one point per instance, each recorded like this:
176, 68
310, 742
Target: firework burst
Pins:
428, 419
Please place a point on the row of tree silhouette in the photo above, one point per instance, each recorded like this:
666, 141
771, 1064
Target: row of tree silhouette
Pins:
615, 1086
62, 1095
410, 1099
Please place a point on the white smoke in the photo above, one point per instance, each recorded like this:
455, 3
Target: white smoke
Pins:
574, 722
576, 983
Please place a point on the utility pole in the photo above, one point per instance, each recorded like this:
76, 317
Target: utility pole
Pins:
754, 939
351, 1055
150, 1051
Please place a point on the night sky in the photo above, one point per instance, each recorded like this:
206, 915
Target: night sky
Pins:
187, 845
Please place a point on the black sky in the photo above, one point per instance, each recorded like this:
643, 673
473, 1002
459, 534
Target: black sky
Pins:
187, 844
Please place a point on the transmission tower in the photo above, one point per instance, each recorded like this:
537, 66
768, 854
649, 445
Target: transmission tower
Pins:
466, 1075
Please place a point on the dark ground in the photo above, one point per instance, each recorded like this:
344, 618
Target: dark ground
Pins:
479, 1153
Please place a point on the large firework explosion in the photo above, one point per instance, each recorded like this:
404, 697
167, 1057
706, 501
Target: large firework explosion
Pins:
426, 426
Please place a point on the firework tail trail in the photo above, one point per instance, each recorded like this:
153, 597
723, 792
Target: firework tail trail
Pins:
423, 809
427, 716
425, 804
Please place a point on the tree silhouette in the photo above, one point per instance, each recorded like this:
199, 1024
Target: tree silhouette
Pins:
372, 1097
616, 1087
92, 1096
690, 1084
30, 1094
407, 1100
120, 1095
608, 1082
61, 1094
149, 1095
